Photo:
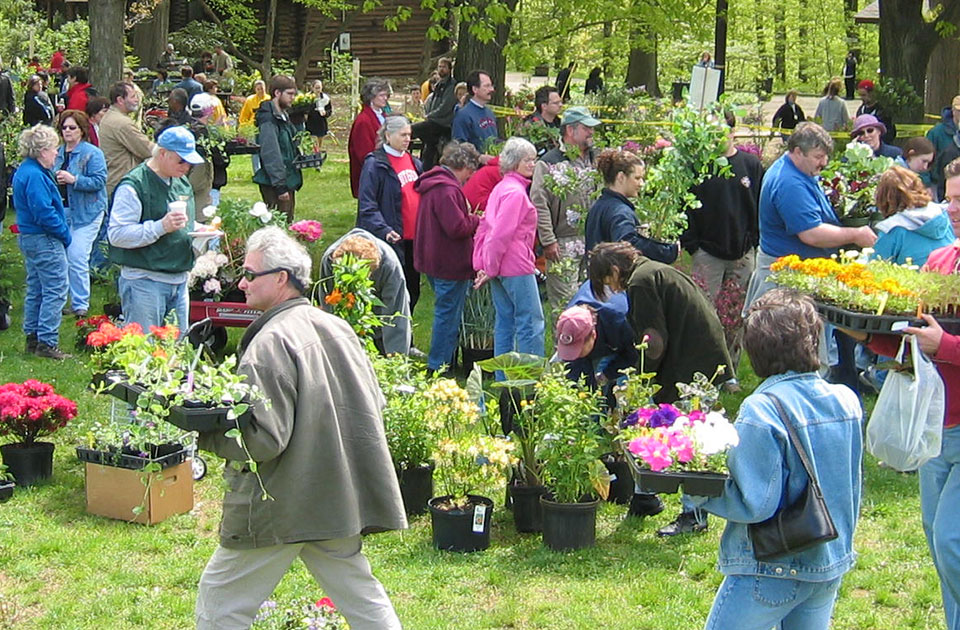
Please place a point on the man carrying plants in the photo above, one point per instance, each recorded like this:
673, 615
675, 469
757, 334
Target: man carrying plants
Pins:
279, 180
323, 475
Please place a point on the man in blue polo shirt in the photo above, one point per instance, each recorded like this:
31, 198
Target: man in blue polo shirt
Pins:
475, 122
795, 215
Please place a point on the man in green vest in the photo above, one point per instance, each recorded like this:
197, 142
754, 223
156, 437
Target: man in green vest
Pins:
150, 221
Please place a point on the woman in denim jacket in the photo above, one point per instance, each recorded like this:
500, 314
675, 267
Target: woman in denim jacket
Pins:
81, 174
795, 591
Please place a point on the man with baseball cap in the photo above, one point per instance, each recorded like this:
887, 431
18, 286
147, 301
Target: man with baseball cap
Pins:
150, 221
558, 219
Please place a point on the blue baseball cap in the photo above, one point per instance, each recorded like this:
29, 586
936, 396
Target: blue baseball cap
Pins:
180, 141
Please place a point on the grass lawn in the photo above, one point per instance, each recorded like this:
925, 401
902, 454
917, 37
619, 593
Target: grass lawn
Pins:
62, 568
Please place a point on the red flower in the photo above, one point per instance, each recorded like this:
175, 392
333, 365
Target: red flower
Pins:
327, 603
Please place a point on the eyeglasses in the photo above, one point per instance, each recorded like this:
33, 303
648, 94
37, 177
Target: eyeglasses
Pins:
250, 276
69, 128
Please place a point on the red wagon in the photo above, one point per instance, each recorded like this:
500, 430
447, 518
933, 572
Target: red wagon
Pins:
221, 315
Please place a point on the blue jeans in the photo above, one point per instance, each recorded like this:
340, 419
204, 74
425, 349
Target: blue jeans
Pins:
940, 507
45, 259
98, 257
519, 317
78, 263
755, 602
148, 302
449, 296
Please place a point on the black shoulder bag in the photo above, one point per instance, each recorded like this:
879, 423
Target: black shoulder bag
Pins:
799, 526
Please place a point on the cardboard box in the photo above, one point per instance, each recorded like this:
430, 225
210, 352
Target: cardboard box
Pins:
115, 492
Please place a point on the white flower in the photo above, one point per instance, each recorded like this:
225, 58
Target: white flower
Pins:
209, 212
266, 218
221, 259
715, 434
406, 389
259, 209
211, 286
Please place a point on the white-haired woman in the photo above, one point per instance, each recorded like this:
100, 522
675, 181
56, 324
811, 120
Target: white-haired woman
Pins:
43, 239
503, 253
387, 205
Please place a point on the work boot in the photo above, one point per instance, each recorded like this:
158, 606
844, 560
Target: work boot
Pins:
686, 523
645, 505
51, 352
31, 347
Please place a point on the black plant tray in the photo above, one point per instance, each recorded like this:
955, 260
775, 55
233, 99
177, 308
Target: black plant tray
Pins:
864, 322
6, 490
310, 161
127, 392
205, 418
130, 462
233, 148
696, 483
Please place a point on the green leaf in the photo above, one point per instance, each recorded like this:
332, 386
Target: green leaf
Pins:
233, 434
516, 365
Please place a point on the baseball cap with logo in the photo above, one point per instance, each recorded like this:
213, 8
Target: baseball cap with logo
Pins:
574, 326
180, 141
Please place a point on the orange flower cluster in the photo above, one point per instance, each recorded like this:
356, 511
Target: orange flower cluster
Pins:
335, 297
109, 332
855, 275
170, 332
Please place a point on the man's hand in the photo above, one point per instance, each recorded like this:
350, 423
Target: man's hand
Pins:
174, 220
864, 236
929, 336
552, 252
284, 196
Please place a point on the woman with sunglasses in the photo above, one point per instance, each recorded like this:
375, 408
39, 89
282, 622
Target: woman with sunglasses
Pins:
868, 129
81, 174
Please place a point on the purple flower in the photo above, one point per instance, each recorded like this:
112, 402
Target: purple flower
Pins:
663, 417
630, 420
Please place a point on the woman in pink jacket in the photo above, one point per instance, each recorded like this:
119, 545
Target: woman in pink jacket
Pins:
503, 254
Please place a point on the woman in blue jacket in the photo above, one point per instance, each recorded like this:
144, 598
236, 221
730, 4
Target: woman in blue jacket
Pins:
798, 590
912, 226
43, 239
612, 217
81, 175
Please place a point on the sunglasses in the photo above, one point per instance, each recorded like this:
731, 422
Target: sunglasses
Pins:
250, 276
69, 128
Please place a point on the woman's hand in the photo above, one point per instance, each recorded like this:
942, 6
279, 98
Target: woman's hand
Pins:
929, 336
481, 279
393, 238
66, 177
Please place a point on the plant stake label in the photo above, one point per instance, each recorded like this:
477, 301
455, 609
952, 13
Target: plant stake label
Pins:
479, 516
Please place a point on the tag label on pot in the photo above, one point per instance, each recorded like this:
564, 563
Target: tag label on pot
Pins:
479, 516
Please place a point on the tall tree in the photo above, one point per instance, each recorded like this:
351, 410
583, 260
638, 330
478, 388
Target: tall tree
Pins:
149, 37
943, 75
106, 42
642, 66
484, 31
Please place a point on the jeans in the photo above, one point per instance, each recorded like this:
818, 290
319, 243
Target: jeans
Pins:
78, 263
940, 507
98, 253
449, 296
754, 602
148, 302
518, 324
45, 259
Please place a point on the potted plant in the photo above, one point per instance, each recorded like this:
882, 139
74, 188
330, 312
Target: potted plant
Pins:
303, 613
7, 483
476, 328
28, 411
467, 458
572, 471
409, 436
850, 181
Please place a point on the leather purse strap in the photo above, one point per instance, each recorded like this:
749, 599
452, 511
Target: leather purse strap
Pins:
797, 444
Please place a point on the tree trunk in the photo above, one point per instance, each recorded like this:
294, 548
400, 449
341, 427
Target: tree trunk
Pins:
149, 37
472, 54
780, 43
850, 8
943, 71
608, 43
268, 35
106, 42
907, 41
761, 40
720, 42
642, 65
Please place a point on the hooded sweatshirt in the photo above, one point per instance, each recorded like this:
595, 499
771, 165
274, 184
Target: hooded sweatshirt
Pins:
944, 139
443, 245
913, 234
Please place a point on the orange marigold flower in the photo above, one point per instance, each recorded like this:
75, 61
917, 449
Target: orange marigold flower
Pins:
351, 300
334, 297
160, 353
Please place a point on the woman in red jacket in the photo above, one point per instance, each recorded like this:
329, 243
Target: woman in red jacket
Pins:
363, 132
443, 245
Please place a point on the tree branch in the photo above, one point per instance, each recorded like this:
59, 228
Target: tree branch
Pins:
230, 45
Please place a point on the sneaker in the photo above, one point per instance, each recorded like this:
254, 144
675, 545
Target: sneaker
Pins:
31, 347
51, 352
686, 523
81, 314
645, 505
417, 353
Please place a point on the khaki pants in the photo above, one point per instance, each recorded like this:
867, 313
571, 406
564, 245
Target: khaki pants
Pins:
270, 198
715, 271
237, 581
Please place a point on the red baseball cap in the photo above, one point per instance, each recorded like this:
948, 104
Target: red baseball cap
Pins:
574, 327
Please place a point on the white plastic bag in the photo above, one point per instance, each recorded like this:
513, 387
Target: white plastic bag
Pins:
907, 422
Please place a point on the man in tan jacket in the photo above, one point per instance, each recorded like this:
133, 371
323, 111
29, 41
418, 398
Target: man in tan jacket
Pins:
123, 144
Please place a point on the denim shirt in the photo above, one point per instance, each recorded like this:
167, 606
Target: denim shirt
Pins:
88, 195
828, 421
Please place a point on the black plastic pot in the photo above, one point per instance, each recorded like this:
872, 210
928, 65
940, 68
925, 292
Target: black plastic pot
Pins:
416, 487
6, 490
453, 530
621, 488
28, 464
527, 513
569, 526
